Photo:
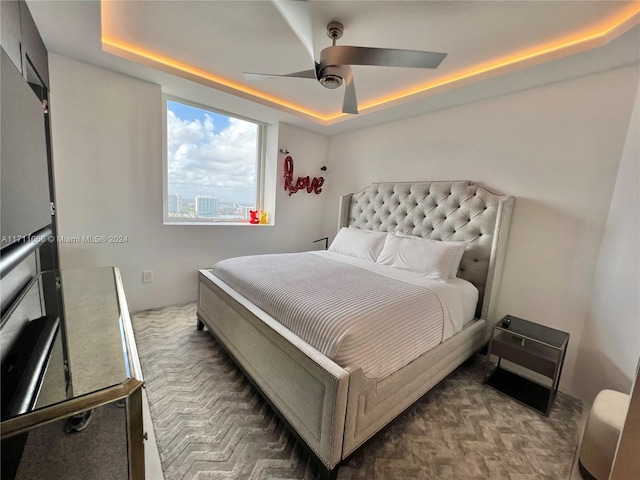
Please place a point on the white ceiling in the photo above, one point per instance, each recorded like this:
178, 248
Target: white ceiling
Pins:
227, 38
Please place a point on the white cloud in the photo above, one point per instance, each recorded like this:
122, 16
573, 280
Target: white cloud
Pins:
205, 160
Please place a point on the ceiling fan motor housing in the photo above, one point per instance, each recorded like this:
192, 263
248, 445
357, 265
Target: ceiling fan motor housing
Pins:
330, 77
331, 81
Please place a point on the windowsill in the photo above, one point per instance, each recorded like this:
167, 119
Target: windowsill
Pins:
222, 224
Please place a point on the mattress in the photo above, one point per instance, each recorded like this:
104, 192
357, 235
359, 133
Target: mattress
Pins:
358, 313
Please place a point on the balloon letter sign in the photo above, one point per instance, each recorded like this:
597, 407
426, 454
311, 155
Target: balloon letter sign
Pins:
302, 182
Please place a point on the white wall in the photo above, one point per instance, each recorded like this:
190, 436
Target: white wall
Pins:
556, 148
107, 138
610, 346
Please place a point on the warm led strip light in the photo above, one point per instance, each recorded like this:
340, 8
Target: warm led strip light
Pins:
152, 59
596, 37
586, 41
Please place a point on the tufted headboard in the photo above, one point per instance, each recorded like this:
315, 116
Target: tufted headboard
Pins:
445, 211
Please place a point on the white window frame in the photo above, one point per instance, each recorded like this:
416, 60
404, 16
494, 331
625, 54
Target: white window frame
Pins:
260, 164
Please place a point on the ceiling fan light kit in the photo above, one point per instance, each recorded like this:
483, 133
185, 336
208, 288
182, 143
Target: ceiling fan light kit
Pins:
334, 68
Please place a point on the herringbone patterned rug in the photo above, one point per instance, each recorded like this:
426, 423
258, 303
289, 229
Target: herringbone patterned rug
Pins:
211, 424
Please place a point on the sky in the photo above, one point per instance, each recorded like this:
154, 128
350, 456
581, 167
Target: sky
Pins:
210, 154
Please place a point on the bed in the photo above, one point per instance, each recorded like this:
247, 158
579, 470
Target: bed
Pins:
332, 401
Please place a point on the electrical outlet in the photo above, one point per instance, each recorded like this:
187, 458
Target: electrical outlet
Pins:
147, 277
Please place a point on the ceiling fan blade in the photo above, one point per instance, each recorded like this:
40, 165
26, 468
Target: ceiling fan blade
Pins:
385, 57
254, 77
297, 14
350, 102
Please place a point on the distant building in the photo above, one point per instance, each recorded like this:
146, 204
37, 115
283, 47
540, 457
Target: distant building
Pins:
173, 203
206, 206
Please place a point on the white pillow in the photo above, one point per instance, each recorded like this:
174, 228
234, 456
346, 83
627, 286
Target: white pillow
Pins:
431, 258
455, 264
365, 244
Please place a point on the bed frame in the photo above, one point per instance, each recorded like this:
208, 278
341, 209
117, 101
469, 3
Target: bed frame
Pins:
334, 410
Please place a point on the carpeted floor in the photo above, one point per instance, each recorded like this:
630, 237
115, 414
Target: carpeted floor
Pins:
211, 424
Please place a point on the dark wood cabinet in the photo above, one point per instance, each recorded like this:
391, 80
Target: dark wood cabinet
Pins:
22, 42
34, 53
25, 198
10, 36
27, 222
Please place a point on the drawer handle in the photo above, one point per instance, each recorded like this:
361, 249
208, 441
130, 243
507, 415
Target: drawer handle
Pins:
522, 343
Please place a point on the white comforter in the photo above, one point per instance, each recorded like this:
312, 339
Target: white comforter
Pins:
356, 312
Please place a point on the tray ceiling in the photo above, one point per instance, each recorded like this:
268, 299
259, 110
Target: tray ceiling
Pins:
215, 41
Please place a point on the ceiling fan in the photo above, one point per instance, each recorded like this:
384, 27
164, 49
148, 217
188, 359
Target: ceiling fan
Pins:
334, 67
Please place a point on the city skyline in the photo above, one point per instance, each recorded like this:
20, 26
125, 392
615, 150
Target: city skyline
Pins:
206, 207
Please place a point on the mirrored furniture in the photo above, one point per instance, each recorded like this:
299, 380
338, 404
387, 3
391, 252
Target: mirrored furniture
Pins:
69, 358
531, 348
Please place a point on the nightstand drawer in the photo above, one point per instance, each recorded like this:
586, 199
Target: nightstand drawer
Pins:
526, 352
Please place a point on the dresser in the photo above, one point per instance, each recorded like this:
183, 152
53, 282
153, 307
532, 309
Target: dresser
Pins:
75, 401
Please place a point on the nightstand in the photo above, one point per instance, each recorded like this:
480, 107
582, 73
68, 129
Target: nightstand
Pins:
535, 347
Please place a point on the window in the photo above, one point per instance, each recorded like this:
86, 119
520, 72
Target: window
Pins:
213, 165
